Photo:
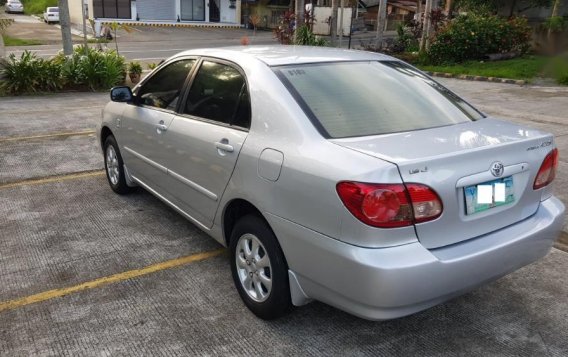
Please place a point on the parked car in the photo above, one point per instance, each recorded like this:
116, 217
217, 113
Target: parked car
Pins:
14, 6
347, 177
51, 15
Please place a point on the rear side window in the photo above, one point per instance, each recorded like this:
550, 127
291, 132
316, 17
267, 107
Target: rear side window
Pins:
350, 99
163, 89
219, 93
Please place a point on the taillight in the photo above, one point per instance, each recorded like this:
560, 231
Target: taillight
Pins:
547, 171
390, 205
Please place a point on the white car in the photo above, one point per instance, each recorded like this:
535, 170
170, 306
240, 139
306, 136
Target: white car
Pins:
14, 6
51, 14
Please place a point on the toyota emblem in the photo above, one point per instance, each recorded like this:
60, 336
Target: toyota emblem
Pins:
497, 169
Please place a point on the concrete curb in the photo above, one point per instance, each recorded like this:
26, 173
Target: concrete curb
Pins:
176, 24
478, 78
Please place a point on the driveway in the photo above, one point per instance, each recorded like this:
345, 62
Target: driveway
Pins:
86, 272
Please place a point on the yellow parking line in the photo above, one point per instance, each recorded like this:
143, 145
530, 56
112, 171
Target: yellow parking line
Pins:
43, 136
59, 178
55, 293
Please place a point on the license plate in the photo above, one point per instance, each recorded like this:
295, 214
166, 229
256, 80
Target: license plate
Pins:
484, 196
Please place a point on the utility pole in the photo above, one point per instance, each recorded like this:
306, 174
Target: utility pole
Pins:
381, 22
333, 25
84, 13
65, 23
425, 40
341, 5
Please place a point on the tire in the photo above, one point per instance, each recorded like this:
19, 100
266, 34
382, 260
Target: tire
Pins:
266, 302
114, 167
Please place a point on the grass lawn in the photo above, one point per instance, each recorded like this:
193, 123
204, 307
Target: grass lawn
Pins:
527, 68
37, 6
12, 41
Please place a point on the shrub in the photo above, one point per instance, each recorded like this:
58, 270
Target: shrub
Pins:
93, 69
135, 67
306, 37
474, 37
28, 73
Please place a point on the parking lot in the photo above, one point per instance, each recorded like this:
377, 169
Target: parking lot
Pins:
84, 271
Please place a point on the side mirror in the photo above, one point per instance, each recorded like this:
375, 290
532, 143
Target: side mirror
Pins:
121, 94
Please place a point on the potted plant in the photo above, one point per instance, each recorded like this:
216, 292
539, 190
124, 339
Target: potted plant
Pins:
134, 71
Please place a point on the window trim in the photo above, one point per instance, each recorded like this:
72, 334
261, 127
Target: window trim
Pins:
183, 88
189, 83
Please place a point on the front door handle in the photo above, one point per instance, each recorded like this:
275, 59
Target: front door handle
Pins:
161, 127
224, 146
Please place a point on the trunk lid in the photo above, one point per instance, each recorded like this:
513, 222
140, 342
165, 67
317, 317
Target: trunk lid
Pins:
452, 158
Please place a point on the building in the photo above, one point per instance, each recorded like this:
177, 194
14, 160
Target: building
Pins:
159, 12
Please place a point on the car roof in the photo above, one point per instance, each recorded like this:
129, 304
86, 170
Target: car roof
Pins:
286, 54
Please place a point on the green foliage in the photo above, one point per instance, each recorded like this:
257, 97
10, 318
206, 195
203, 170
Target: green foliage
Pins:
488, 7
85, 68
151, 66
473, 37
37, 6
93, 69
29, 73
527, 68
306, 37
12, 41
556, 23
405, 41
558, 69
135, 67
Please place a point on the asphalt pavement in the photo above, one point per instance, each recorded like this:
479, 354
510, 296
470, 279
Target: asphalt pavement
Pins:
84, 271
144, 44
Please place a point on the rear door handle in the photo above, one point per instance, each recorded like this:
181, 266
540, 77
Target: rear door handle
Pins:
224, 147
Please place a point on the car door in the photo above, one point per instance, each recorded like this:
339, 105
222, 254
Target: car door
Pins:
207, 137
144, 124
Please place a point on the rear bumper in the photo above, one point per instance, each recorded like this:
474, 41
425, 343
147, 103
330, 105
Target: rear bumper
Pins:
386, 283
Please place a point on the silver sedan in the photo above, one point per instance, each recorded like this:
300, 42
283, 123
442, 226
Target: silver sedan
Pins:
347, 177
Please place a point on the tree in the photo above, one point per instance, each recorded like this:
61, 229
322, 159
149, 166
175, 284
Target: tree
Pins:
65, 23
115, 26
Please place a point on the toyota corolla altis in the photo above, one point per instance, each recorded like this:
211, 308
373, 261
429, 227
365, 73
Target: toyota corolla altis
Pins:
347, 177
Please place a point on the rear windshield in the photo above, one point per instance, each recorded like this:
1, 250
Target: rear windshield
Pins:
348, 99
52, 9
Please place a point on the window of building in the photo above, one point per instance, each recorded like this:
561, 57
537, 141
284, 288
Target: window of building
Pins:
112, 9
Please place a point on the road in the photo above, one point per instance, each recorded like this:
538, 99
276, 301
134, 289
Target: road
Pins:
146, 44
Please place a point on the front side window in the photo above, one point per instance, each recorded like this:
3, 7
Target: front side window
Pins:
219, 93
163, 89
348, 99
